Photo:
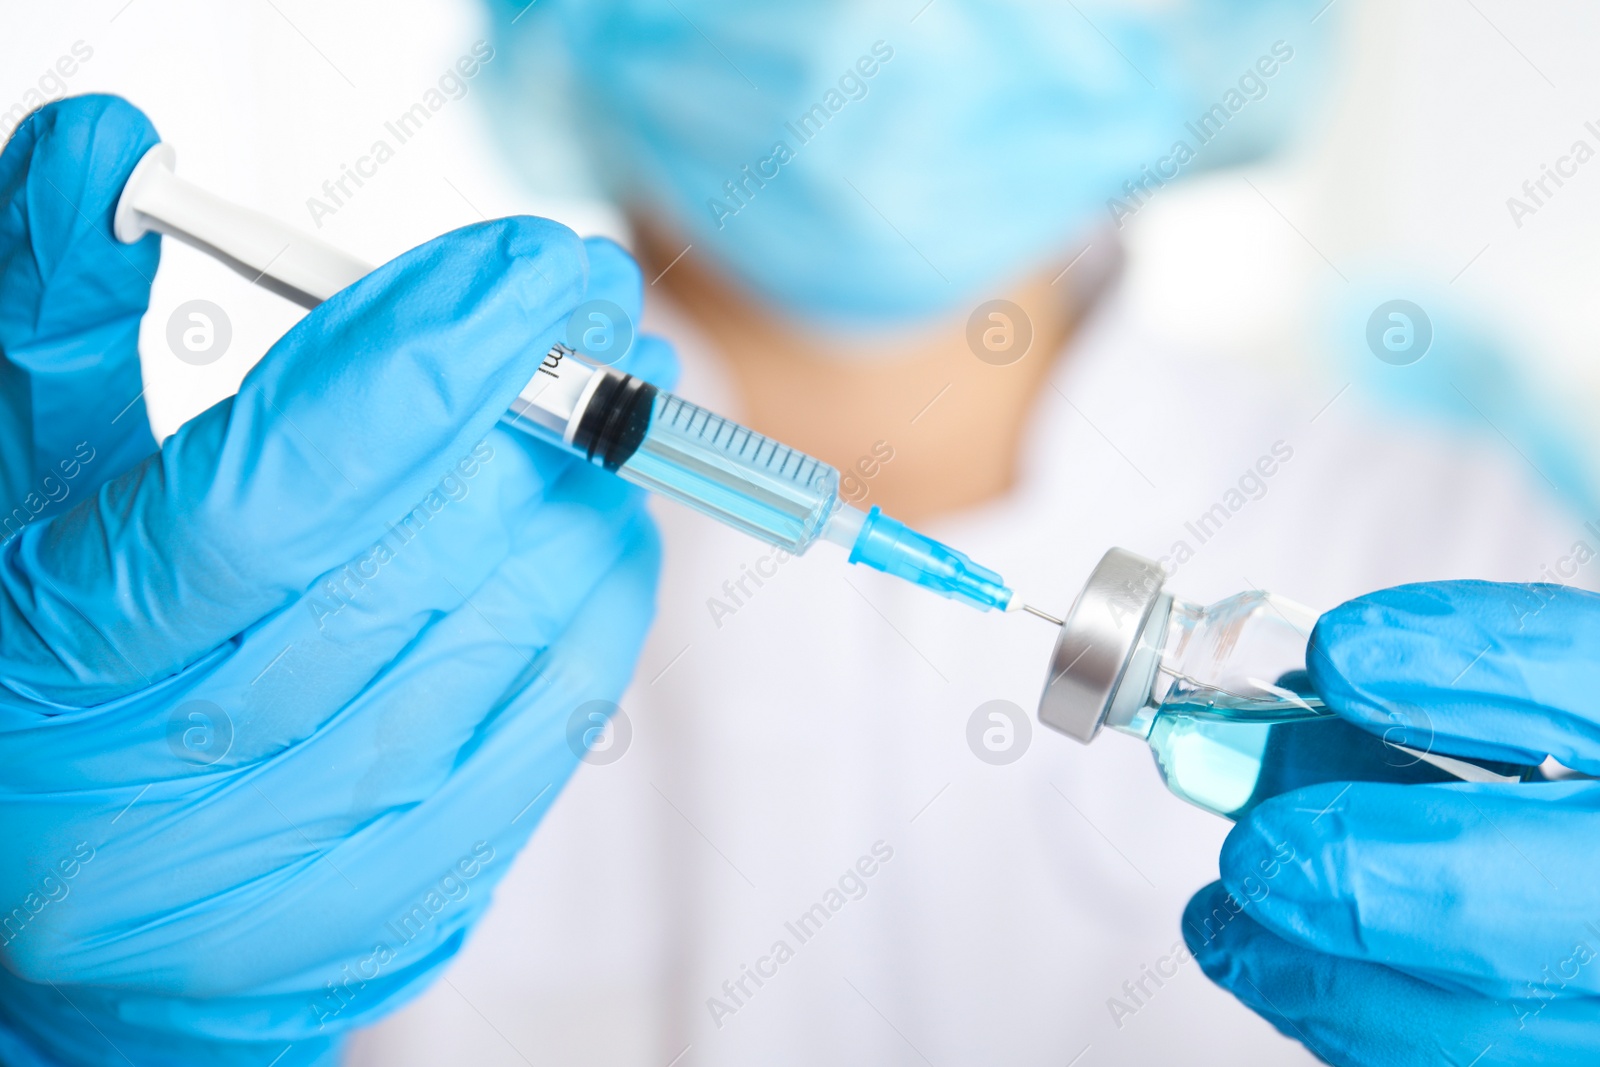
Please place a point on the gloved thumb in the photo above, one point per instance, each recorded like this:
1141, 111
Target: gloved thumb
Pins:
336, 433
71, 296
1483, 670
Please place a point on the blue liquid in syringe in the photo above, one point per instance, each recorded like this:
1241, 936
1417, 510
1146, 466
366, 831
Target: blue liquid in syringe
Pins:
790, 499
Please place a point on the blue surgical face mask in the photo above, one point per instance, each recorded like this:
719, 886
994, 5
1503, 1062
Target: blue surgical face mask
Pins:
873, 163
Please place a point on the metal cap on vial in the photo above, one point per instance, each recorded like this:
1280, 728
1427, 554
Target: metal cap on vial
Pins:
1098, 641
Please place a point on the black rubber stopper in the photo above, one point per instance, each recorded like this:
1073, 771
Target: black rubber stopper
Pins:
615, 421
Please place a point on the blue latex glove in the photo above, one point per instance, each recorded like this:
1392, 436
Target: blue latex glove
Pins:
1460, 923
280, 701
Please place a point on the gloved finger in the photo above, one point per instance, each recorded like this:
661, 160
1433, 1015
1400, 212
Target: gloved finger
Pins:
71, 296
149, 1031
493, 644
614, 275
1475, 884
275, 684
1356, 1013
332, 436
1477, 669
484, 633
442, 750
514, 766
611, 335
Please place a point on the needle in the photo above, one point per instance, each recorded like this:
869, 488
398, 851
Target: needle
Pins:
1046, 616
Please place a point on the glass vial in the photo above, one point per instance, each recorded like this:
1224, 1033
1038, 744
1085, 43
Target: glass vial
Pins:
1220, 693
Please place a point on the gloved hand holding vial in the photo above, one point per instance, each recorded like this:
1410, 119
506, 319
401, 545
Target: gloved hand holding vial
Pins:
1450, 922
1227, 695
1373, 758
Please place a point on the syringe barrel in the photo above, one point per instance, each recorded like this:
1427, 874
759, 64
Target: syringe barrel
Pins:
733, 474
672, 447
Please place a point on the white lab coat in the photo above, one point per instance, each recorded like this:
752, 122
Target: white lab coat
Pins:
776, 747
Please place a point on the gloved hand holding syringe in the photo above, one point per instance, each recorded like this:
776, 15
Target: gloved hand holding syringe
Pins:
614, 420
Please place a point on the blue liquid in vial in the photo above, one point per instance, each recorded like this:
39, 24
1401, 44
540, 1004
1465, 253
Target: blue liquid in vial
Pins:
1228, 754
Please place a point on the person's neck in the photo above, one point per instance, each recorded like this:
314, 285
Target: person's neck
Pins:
952, 422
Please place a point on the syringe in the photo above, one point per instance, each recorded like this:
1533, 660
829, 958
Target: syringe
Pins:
614, 420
